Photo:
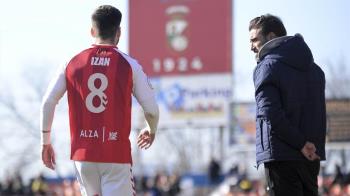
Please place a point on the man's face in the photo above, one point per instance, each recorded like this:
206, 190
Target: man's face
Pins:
257, 40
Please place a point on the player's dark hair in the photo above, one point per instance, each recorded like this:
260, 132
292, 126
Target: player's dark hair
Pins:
107, 19
268, 23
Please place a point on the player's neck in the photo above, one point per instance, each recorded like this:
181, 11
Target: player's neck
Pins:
105, 42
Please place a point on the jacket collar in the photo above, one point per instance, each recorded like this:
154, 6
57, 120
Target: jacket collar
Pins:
268, 46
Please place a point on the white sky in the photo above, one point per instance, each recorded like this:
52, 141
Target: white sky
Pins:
50, 32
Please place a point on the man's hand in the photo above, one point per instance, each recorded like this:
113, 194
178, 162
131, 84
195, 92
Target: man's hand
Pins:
309, 151
145, 139
48, 156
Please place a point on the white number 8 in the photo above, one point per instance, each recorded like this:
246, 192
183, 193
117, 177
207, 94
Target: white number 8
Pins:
97, 92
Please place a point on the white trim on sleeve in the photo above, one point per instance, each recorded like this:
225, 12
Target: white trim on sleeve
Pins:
142, 89
144, 93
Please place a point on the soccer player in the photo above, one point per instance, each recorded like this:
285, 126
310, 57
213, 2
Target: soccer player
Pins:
100, 82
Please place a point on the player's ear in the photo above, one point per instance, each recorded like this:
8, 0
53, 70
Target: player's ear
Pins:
93, 32
117, 35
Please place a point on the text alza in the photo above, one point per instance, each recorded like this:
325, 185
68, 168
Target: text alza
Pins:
100, 61
88, 133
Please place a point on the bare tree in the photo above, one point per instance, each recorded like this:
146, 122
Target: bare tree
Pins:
19, 111
189, 148
338, 80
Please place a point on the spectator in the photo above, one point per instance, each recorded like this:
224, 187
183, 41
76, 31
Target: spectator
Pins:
14, 186
174, 182
39, 186
214, 172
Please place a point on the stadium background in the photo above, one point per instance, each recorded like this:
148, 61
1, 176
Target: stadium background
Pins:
197, 54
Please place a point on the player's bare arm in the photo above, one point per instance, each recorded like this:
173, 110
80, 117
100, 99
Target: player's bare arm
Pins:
54, 93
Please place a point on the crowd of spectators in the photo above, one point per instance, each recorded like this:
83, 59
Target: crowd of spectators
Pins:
159, 185
238, 184
234, 183
39, 186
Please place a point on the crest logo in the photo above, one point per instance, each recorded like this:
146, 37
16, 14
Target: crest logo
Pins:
176, 26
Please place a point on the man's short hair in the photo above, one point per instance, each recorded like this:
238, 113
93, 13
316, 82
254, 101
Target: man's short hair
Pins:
268, 23
106, 19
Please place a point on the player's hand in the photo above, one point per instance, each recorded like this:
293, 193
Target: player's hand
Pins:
48, 156
145, 139
309, 151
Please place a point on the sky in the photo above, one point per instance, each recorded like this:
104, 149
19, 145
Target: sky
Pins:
49, 32
42, 35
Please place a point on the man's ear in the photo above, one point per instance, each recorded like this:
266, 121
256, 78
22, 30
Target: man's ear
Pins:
117, 35
93, 32
271, 36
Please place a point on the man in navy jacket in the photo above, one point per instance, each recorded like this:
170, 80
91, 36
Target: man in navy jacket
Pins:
291, 114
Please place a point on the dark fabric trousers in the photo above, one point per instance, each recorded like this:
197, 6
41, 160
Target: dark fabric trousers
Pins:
294, 178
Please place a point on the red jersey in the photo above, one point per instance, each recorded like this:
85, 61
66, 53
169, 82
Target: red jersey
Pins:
99, 83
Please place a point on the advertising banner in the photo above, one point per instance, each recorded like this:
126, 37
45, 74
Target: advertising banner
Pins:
242, 123
196, 101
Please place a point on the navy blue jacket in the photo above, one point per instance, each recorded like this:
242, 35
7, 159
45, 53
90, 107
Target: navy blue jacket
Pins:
290, 99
